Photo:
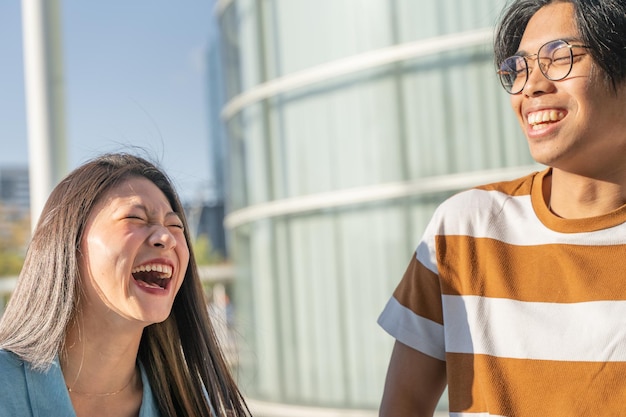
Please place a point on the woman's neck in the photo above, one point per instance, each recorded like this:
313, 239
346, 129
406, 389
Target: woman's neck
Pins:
99, 365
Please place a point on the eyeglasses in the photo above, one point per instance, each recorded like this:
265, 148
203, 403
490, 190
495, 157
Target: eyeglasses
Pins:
555, 60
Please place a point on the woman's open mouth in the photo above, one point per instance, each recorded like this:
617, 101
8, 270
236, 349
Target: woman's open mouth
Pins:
154, 276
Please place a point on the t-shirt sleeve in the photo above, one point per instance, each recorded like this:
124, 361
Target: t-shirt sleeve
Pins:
414, 314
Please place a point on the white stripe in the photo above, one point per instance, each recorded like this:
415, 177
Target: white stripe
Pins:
589, 331
474, 415
427, 256
412, 330
495, 215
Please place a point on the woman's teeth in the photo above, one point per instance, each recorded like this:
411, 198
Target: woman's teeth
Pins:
165, 271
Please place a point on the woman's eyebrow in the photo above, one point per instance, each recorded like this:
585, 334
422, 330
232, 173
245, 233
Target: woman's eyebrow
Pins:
145, 209
174, 214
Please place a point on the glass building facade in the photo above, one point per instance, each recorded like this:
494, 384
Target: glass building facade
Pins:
347, 121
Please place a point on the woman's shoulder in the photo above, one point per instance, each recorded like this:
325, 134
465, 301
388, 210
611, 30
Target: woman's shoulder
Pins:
9, 362
11, 371
13, 386
149, 407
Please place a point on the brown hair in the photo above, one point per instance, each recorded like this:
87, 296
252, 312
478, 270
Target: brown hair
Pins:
184, 363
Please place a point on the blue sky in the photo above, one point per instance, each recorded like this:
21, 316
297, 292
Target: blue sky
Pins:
134, 74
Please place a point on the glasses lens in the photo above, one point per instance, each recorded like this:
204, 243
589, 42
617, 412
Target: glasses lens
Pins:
513, 74
556, 60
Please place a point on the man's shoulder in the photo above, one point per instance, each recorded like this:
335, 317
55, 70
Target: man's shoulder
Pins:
476, 210
493, 194
513, 187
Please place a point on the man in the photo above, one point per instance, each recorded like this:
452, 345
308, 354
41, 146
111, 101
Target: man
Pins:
516, 296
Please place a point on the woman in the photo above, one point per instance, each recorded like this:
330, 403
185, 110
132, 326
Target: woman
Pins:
109, 316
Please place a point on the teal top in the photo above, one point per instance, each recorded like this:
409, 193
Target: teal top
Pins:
25, 392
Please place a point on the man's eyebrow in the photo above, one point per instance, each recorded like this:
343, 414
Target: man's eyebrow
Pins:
568, 39
520, 53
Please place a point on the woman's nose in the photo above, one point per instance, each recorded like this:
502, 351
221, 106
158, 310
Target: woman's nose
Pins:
161, 237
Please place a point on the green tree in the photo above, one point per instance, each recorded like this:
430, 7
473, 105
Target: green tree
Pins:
14, 235
203, 249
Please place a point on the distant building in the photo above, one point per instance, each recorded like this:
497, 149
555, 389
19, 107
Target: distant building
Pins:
207, 219
210, 215
14, 198
14, 187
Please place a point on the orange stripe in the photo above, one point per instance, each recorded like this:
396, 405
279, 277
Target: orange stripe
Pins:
527, 388
420, 291
545, 273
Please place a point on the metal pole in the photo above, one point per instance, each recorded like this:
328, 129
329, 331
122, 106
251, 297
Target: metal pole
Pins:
43, 77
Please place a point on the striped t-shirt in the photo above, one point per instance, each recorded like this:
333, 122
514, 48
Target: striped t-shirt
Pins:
527, 309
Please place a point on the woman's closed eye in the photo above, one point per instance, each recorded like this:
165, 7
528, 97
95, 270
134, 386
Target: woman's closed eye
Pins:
135, 217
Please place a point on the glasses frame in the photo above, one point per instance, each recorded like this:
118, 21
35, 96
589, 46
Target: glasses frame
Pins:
543, 71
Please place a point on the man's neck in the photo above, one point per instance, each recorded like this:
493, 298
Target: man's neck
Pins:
574, 196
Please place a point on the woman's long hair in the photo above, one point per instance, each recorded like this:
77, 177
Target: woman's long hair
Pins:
184, 363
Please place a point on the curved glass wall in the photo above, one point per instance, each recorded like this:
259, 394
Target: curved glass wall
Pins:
348, 122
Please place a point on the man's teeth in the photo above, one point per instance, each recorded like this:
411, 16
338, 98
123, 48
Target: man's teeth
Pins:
537, 119
165, 271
